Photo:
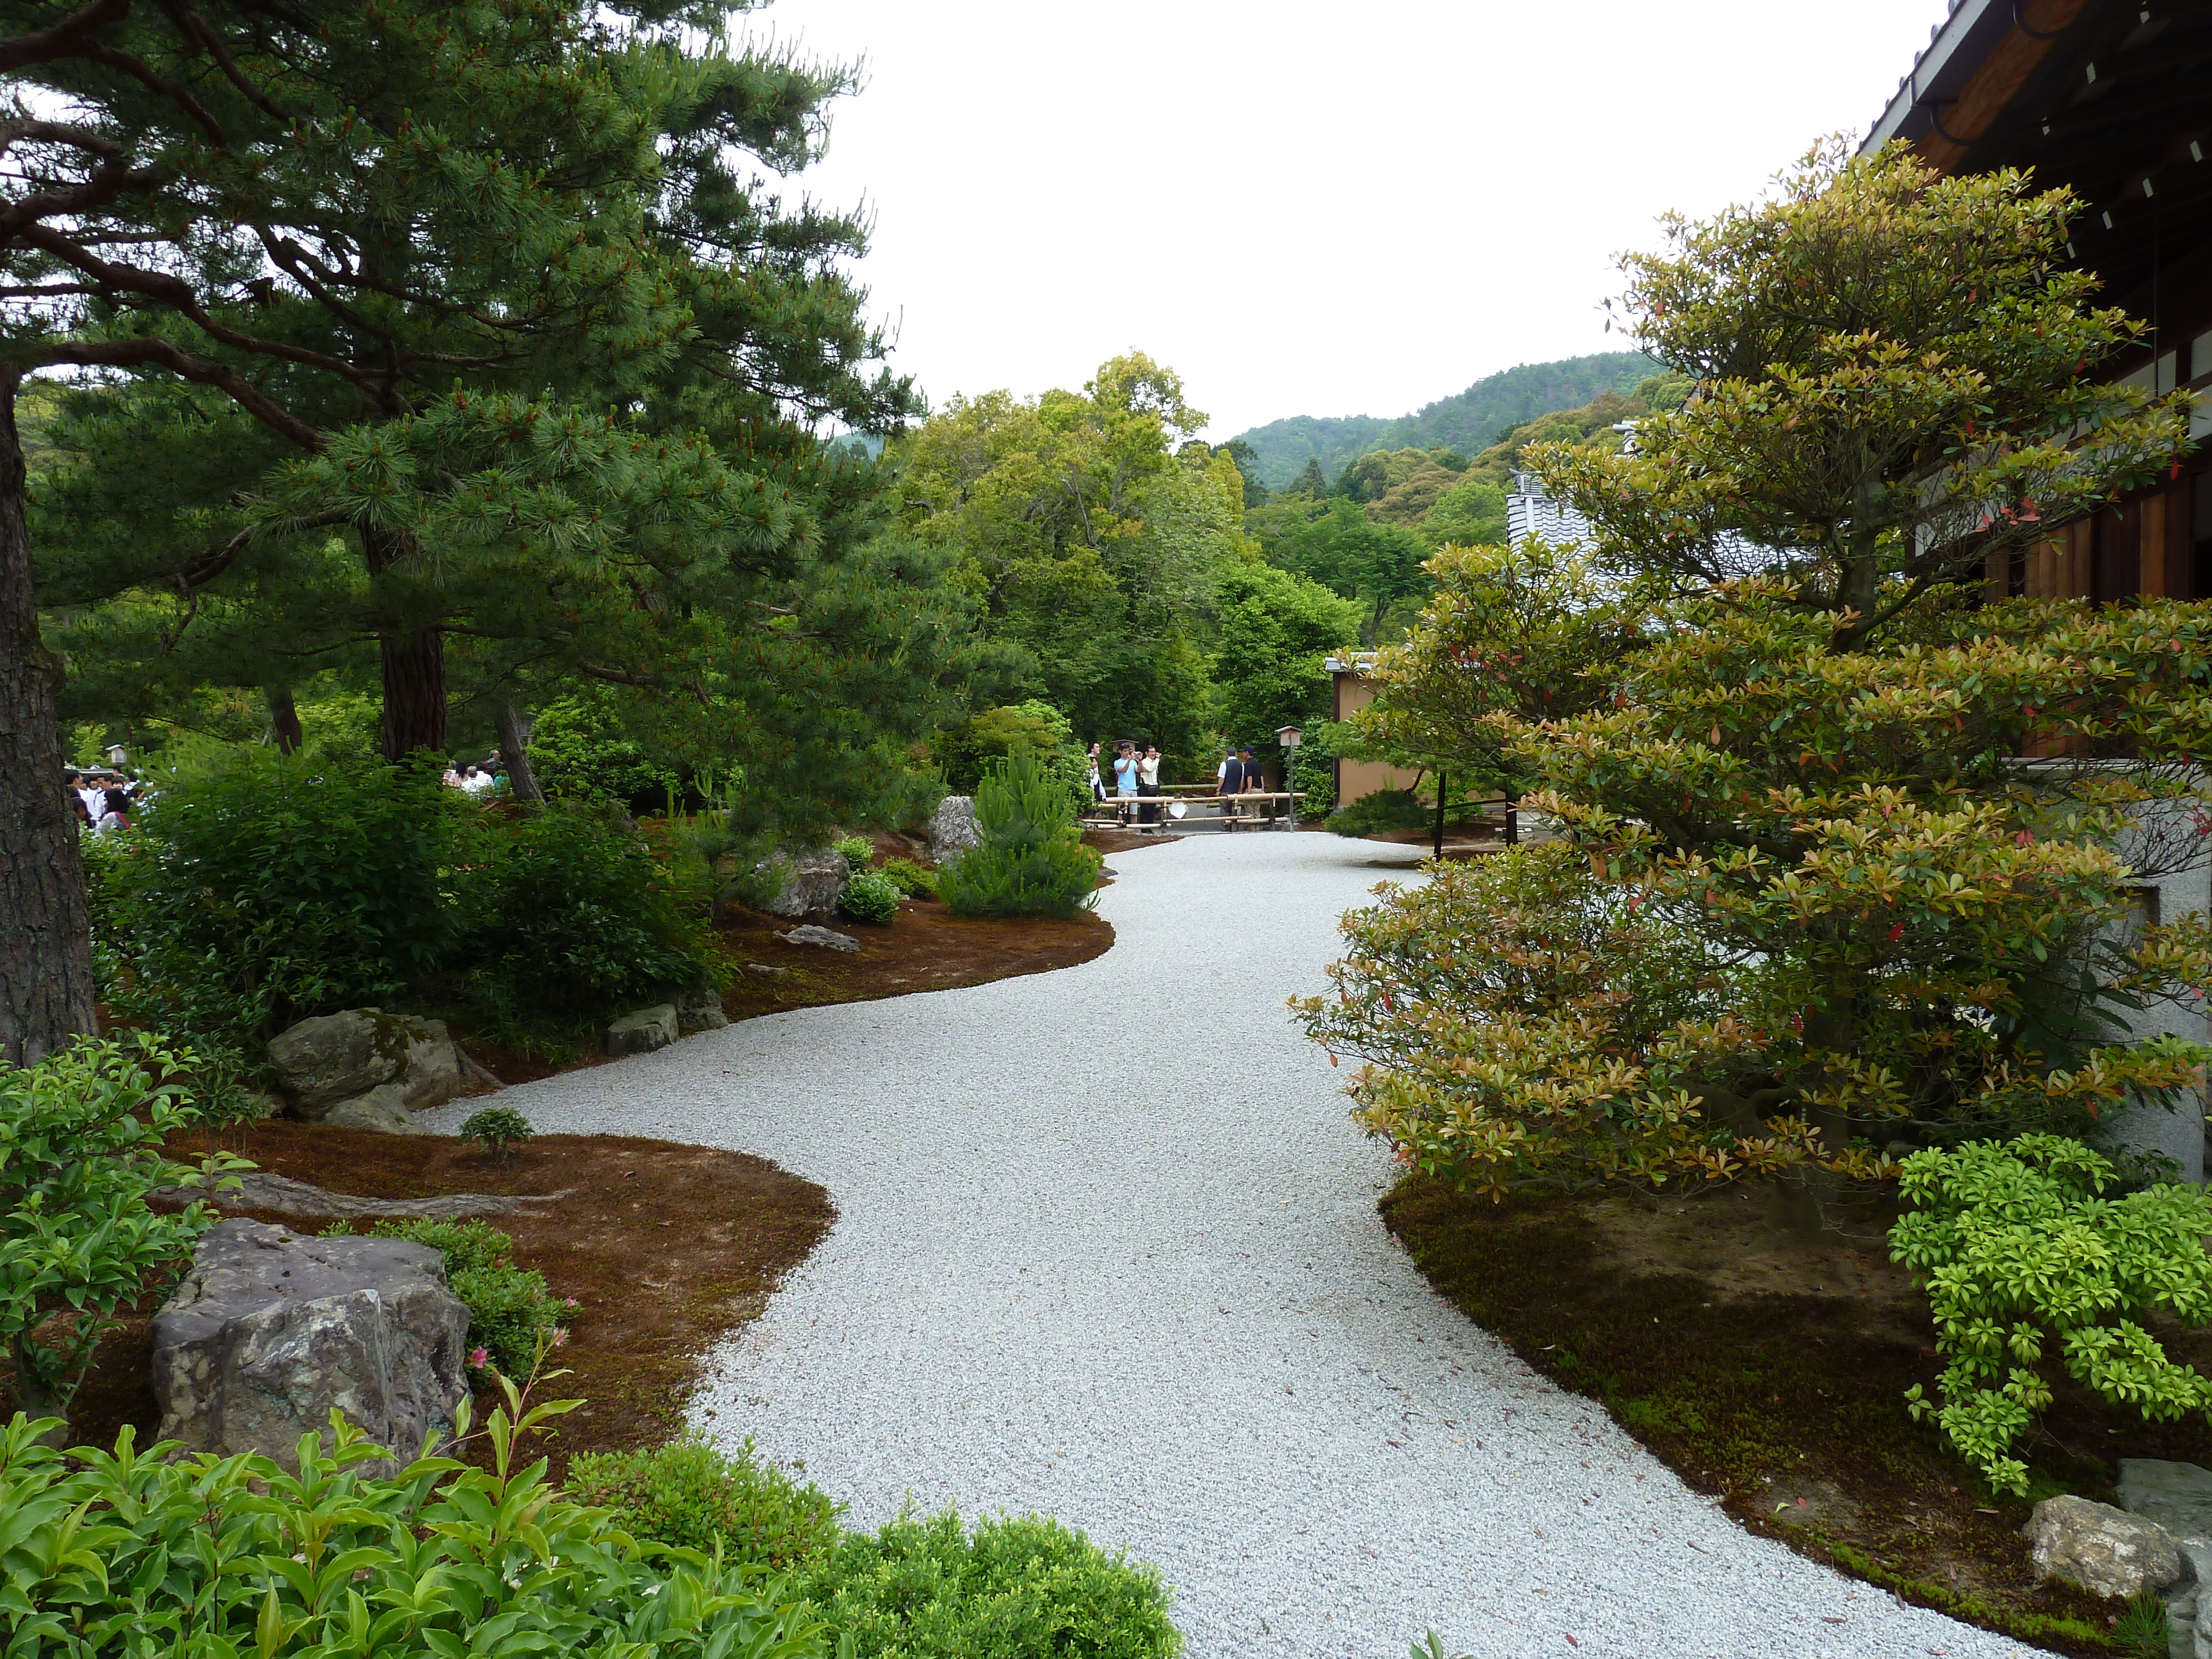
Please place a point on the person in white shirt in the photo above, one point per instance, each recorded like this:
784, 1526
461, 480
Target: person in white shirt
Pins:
1148, 787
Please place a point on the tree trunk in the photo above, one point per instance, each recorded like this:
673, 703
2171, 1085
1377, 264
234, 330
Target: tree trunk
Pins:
284, 719
413, 658
45, 933
515, 750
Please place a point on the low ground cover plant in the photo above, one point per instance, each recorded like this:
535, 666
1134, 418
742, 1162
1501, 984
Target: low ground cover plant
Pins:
1014, 1587
514, 1315
1031, 861
909, 878
688, 1493
2026, 1260
81, 1134
131, 1553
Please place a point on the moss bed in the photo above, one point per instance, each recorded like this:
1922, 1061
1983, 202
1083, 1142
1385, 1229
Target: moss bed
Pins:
1767, 1368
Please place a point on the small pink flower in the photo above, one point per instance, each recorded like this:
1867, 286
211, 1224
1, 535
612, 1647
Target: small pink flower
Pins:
573, 1302
477, 1357
560, 1339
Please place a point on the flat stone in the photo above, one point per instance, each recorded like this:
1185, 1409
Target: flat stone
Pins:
641, 1032
264, 1189
810, 934
383, 1108
2105, 1551
272, 1329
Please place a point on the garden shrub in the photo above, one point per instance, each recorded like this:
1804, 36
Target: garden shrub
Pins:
571, 919
870, 896
688, 1493
968, 752
860, 851
2020, 1249
1031, 861
257, 889
80, 1152
1385, 808
1313, 775
135, 1554
909, 878
578, 748
1018, 1588
511, 1310
498, 1130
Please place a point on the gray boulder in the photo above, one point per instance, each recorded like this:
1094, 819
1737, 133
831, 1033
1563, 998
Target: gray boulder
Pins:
319, 1063
812, 882
2105, 1550
700, 1011
271, 1330
953, 830
641, 1032
810, 934
383, 1108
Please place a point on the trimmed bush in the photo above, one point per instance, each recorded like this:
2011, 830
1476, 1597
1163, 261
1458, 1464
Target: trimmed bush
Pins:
571, 917
870, 896
1385, 808
1032, 860
509, 1307
687, 1493
909, 878
259, 888
860, 851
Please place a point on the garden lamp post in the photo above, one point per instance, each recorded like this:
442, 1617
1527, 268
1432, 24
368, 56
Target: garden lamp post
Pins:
1288, 736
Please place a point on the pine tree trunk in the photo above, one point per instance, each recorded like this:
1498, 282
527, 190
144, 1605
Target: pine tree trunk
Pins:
284, 719
413, 658
515, 750
45, 944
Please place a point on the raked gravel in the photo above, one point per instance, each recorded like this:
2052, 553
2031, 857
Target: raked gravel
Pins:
1108, 1248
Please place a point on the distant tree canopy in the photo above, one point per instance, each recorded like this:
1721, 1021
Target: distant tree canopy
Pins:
1468, 422
1097, 535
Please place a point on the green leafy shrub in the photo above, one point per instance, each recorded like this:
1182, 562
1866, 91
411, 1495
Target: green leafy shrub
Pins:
578, 748
688, 1493
968, 752
259, 888
1385, 808
1313, 775
870, 896
1024, 1588
511, 1310
571, 918
80, 1151
133, 1555
497, 1129
909, 878
1032, 860
2017, 1247
860, 851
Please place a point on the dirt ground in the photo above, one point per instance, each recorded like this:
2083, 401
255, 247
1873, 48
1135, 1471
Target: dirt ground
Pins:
1767, 1366
667, 1247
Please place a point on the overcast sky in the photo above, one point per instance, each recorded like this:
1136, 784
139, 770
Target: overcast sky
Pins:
1303, 208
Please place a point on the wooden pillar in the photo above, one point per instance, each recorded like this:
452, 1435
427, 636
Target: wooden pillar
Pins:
2152, 580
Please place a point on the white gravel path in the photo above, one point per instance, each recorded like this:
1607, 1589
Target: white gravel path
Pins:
1108, 1248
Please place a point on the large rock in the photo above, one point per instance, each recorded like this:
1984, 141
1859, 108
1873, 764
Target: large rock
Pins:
641, 1032
2105, 1550
319, 1063
700, 1011
383, 1108
953, 830
812, 883
271, 1329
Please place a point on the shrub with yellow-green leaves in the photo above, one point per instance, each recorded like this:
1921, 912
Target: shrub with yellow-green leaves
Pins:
2026, 1260
1817, 907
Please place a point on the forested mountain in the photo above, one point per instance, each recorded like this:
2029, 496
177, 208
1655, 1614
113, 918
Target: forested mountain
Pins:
1469, 422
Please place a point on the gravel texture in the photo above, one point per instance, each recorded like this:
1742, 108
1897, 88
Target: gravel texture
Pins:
1108, 1248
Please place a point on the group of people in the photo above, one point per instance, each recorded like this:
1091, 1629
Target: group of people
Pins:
477, 781
1136, 774
101, 801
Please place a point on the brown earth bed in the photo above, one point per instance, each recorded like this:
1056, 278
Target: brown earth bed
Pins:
1767, 1368
669, 1249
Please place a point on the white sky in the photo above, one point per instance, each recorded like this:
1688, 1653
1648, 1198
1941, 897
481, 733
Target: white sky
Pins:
1305, 208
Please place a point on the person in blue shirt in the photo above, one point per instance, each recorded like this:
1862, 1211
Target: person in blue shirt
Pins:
1125, 776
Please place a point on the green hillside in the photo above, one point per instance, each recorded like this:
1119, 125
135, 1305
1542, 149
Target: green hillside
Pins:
1469, 422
